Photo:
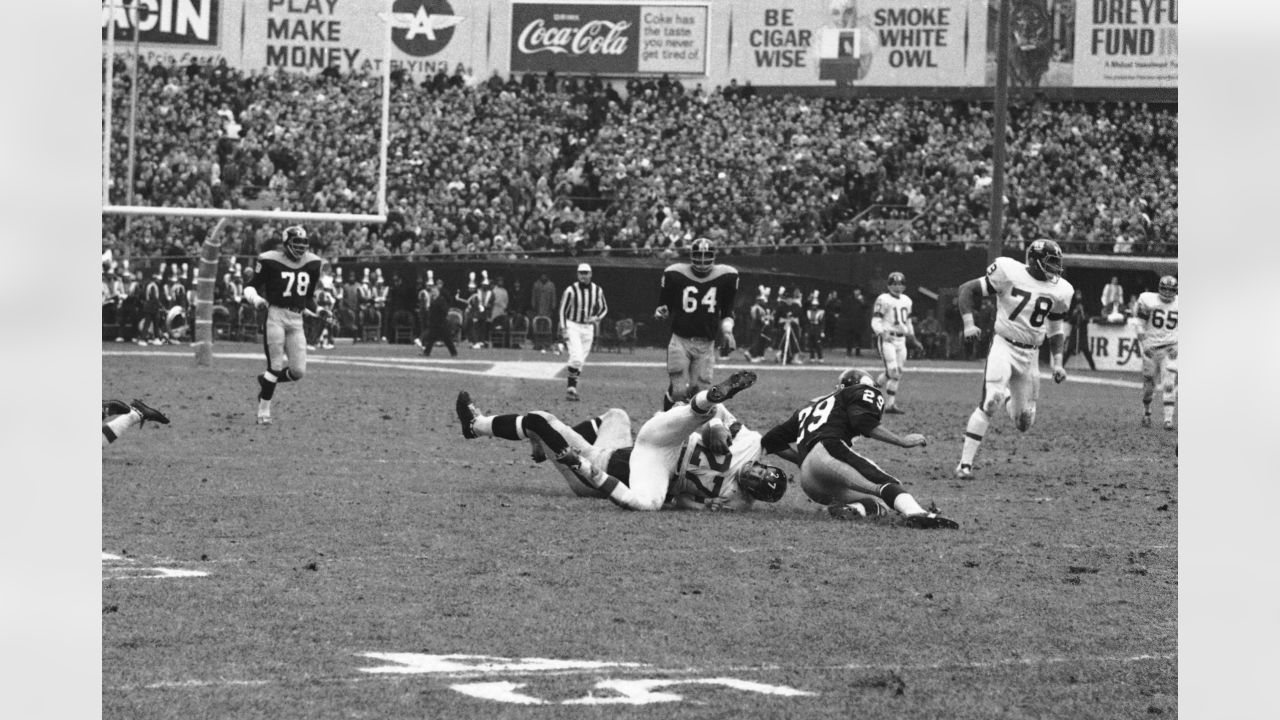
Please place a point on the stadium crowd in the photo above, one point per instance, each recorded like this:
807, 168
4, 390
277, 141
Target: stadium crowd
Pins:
542, 164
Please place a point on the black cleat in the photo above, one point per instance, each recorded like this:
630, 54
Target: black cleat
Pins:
467, 415
114, 407
895, 410
149, 413
731, 386
930, 521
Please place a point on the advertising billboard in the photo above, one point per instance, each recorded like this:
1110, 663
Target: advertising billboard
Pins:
609, 38
311, 35
181, 23
858, 42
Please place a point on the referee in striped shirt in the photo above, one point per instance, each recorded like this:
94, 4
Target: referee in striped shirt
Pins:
581, 307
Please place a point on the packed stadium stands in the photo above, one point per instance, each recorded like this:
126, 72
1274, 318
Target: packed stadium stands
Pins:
516, 167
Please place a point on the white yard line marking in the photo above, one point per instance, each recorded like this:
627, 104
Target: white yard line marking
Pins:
115, 567
629, 668
541, 369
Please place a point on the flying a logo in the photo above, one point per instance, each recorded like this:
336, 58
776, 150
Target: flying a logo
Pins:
421, 27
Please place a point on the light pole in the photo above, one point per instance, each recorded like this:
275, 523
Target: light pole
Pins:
134, 17
996, 242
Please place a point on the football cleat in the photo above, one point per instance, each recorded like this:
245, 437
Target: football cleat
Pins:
895, 410
571, 393
964, 472
149, 413
1146, 421
930, 521
114, 407
264, 420
730, 386
1168, 424
467, 415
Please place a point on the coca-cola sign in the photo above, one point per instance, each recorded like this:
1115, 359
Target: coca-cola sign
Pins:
575, 38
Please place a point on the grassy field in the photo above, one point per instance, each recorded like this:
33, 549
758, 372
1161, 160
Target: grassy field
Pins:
359, 559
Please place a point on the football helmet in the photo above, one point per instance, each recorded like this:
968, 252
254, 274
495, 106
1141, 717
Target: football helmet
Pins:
1168, 289
763, 482
702, 255
854, 376
1044, 257
897, 283
295, 241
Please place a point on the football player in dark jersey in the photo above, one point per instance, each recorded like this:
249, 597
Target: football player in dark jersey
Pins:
831, 472
285, 281
698, 296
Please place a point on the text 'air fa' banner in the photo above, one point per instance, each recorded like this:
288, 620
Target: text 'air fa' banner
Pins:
863, 42
610, 39
1126, 43
427, 36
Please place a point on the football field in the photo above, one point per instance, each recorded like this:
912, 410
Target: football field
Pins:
360, 559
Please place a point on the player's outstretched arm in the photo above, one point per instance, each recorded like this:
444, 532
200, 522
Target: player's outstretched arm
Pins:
886, 435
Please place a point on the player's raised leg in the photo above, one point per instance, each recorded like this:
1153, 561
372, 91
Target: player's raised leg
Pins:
679, 361
995, 392
1169, 388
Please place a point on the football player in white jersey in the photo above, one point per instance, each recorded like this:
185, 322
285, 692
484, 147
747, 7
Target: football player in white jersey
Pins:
891, 323
1031, 303
692, 456
1158, 337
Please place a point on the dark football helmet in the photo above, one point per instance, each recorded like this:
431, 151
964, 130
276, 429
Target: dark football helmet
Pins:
763, 482
295, 241
897, 283
1168, 289
854, 376
1044, 258
702, 255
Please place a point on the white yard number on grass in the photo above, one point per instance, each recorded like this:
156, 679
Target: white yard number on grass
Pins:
629, 692
638, 691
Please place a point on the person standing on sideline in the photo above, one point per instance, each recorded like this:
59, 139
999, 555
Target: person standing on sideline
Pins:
853, 318
891, 322
699, 297
1032, 301
544, 303
815, 331
581, 307
285, 281
1078, 342
498, 308
435, 322
1113, 301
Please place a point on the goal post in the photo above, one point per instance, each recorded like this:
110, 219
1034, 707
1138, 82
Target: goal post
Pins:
211, 248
